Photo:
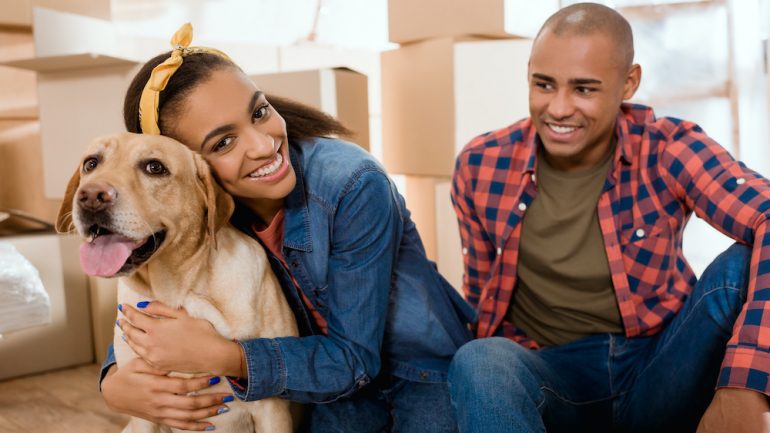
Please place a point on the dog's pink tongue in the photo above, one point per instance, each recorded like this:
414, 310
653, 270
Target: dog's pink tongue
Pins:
106, 254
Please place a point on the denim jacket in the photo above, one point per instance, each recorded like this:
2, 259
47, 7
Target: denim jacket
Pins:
356, 255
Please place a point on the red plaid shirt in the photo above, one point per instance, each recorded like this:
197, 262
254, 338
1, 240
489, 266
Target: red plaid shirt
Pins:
663, 170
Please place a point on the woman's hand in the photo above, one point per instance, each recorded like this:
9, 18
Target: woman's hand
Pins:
139, 390
171, 340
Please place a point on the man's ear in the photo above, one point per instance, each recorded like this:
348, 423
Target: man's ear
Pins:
633, 79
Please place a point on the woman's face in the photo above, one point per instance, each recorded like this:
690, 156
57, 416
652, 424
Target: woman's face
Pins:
230, 123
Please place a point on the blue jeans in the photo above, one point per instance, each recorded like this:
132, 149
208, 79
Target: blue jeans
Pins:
386, 405
606, 382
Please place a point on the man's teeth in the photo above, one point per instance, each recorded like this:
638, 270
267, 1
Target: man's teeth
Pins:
561, 129
268, 169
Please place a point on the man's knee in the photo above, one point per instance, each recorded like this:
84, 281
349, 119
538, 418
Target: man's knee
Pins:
486, 359
730, 268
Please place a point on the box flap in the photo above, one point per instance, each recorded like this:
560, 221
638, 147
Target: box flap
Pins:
68, 62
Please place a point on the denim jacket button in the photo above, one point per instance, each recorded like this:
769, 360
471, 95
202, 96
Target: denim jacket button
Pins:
424, 375
294, 263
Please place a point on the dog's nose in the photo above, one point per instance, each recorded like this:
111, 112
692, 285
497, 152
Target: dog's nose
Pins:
97, 197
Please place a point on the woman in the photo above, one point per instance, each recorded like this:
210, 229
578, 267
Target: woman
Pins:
378, 324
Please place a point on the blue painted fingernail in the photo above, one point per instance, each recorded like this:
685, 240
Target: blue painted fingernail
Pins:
123, 337
223, 409
228, 399
209, 428
120, 307
117, 322
142, 304
214, 380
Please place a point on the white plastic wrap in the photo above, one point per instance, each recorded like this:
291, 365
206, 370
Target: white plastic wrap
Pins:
23, 300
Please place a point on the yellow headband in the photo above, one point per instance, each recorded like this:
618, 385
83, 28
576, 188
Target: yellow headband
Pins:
148, 104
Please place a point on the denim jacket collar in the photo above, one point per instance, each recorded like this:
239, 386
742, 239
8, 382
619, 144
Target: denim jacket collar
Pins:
296, 215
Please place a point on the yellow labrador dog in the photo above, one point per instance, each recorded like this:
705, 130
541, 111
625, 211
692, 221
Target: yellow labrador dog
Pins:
150, 212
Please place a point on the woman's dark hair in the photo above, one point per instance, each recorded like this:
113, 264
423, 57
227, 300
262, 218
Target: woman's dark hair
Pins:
302, 121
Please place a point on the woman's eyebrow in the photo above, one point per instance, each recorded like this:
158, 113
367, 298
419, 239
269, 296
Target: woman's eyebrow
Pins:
224, 128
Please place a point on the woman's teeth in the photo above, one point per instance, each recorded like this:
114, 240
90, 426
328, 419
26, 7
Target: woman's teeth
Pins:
561, 129
268, 169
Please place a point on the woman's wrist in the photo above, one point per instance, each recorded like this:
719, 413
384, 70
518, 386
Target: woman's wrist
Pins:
233, 360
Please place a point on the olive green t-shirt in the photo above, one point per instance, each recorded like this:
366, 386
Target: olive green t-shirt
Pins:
564, 289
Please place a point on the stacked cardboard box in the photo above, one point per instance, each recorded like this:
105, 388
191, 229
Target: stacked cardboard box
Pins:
450, 80
339, 92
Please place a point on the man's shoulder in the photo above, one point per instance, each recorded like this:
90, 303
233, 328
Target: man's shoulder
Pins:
516, 136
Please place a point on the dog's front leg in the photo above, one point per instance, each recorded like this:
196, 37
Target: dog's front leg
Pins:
139, 425
271, 415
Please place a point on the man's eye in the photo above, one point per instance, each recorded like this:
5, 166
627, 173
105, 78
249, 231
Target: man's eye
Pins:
89, 164
155, 168
543, 85
585, 90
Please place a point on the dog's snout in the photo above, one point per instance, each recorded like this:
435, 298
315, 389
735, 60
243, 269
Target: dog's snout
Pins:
97, 197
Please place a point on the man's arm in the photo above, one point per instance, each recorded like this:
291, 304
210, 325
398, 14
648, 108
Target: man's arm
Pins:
477, 247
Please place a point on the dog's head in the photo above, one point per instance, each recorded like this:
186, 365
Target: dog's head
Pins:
136, 196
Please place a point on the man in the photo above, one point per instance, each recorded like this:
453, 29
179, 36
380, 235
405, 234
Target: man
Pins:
571, 223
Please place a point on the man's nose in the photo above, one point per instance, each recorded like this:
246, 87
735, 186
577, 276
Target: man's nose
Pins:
562, 105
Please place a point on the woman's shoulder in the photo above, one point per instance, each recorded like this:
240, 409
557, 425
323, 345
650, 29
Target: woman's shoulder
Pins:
332, 165
334, 157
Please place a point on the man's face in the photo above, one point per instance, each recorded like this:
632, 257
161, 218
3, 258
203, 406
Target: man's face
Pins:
576, 85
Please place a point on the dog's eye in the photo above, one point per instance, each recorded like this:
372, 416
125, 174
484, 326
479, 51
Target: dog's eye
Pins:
156, 168
89, 164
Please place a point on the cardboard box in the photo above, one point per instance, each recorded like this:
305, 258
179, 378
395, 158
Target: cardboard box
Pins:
410, 21
20, 12
17, 87
67, 340
21, 184
428, 199
80, 98
439, 94
339, 92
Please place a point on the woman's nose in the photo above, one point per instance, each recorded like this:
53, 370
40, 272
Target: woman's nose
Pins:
260, 145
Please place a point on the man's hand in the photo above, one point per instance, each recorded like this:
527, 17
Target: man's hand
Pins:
736, 410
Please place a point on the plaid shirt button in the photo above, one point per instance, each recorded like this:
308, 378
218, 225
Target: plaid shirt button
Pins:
640, 233
740, 181
522, 207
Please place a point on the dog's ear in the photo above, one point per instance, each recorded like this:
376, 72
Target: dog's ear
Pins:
64, 219
219, 204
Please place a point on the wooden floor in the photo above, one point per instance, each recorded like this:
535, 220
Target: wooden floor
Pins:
64, 401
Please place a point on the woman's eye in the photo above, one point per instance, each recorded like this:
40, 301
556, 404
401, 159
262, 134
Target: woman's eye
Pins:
155, 168
261, 112
89, 164
222, 144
